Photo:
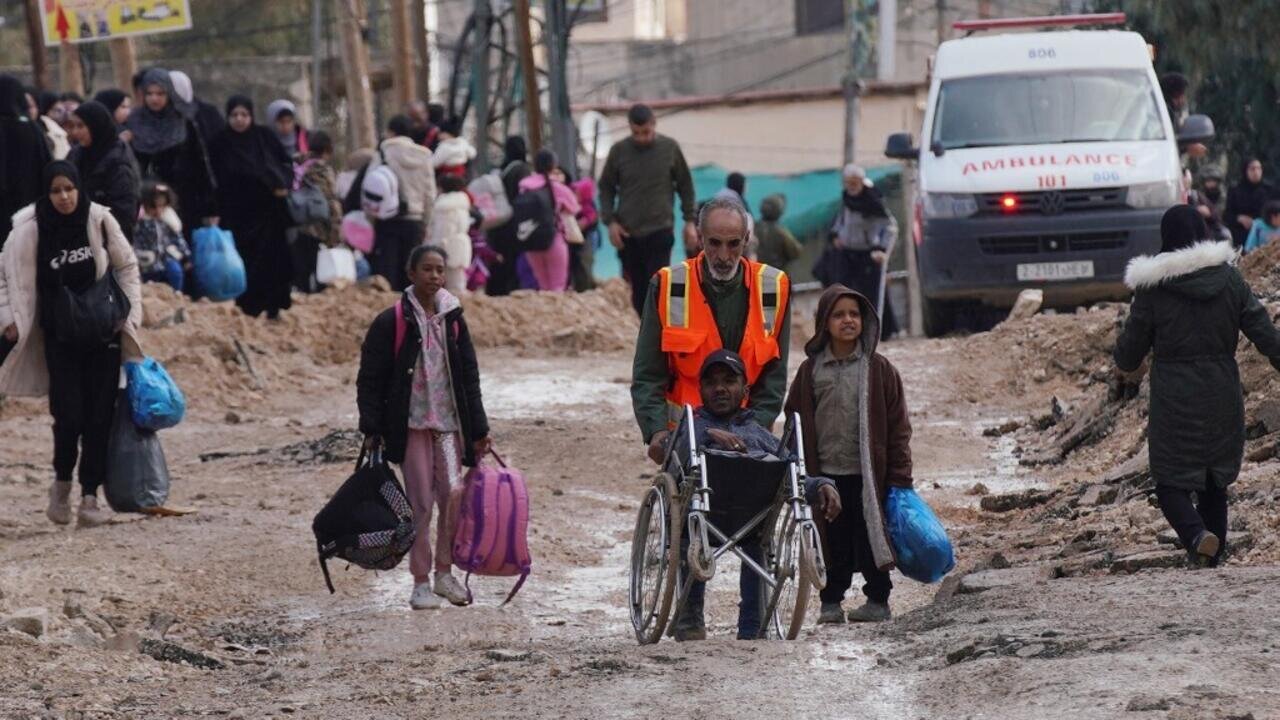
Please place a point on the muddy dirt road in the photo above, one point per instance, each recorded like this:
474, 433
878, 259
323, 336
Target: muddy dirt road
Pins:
224, 614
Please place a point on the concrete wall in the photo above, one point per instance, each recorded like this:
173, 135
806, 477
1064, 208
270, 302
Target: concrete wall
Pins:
783, 137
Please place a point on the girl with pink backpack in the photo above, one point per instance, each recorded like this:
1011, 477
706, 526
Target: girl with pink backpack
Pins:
418, 392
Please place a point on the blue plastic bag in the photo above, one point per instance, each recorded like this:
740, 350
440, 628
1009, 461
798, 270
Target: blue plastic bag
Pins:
218, 268
919, 540
155, 402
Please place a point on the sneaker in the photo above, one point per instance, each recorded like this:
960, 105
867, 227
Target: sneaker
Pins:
871, 612
831, 614
448, 587
59, 510
423, 599
90, 515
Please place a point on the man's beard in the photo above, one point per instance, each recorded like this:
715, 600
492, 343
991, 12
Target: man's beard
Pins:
722, 277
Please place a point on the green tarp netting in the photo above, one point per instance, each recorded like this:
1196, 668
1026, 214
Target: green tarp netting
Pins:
812, 199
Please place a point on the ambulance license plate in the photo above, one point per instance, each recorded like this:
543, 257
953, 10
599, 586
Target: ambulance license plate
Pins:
1079, 270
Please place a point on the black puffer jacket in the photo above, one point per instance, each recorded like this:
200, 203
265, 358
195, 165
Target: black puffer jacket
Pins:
1188, 310
113, 181
383, 385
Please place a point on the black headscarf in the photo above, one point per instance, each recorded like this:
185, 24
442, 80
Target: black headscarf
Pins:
155, 132
1181, 227
45, 101
255, 153
111, 98
102, 134
23, 154
13, 98
514, 150
59, 233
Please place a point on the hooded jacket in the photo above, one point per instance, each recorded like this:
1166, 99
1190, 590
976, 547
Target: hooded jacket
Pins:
777, 246
885, 431
450, 227
454, 152
384, 384
412, 165
1188, 310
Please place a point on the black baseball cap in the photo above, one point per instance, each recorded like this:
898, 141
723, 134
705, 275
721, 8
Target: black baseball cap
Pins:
727, 358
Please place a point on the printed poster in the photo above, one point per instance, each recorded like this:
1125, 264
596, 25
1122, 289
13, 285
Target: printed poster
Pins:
80, 21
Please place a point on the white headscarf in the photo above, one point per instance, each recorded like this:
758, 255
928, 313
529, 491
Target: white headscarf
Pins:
182, 85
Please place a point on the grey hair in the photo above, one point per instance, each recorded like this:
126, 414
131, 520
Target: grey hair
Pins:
722, 202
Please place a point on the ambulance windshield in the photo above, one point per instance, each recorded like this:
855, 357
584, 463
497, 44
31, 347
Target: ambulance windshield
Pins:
1049, 108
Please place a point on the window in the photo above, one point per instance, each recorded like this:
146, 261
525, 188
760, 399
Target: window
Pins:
1080, 106
819, 16
590, 10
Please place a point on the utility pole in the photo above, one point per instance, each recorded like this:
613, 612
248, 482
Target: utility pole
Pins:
401, 52
941, 8
35, 38
852, 88
480, 81
563, 133
70, 73
529, 73
886, 63
124, 61
421, 49
355, 66
317, 58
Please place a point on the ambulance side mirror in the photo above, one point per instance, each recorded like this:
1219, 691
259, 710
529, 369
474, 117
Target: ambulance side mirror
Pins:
901, 146
1196, 129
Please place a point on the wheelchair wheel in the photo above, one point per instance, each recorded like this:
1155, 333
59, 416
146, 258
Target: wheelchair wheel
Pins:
653, 571
785, 562
813, 565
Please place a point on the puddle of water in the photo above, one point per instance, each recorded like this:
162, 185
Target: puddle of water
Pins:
880, 690
556, 396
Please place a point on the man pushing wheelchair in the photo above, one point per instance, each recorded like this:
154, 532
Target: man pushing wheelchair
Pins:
758, 505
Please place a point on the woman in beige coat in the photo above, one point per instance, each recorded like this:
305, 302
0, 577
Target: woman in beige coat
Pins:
64, 241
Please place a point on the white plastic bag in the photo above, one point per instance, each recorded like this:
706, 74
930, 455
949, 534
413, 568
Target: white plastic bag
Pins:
334, 264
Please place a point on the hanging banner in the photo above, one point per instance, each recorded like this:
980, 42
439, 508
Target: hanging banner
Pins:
80, 21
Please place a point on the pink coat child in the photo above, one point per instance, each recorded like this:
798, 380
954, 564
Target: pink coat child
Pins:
551, 266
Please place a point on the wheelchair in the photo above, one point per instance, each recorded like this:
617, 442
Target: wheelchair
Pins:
723, 500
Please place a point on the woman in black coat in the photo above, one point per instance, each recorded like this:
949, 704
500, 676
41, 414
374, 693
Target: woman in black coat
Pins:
23, 154
1245, 201
170, 148
1189, 307
108, 170
254, 175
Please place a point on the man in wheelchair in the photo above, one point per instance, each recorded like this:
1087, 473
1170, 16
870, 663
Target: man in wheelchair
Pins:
723, 424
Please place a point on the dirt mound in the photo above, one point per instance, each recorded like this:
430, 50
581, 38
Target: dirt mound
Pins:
222, 358
1040, 356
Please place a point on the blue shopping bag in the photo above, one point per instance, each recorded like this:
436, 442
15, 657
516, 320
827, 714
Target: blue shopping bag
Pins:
219, 270
919, 540
155, 402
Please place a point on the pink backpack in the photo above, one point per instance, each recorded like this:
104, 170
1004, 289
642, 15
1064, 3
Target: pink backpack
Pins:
493, 525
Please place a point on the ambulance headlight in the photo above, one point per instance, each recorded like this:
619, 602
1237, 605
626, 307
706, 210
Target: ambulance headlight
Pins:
948, 205
1155, 196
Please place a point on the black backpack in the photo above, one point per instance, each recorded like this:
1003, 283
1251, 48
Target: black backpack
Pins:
533, 216
368, 522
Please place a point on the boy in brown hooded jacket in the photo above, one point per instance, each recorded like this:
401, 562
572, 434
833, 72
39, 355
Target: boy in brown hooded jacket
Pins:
856, 432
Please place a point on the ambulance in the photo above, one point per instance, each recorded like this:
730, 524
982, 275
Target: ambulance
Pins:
1046, 161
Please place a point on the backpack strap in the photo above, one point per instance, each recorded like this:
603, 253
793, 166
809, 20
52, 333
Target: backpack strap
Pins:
402, 328
324, 568
519, 584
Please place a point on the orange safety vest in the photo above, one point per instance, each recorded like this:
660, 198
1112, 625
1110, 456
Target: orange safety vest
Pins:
689, 332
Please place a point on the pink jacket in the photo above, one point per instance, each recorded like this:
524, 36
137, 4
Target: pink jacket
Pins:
566, 199
586, 190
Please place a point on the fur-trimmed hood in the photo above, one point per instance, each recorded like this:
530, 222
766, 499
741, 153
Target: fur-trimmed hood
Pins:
1148, 271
